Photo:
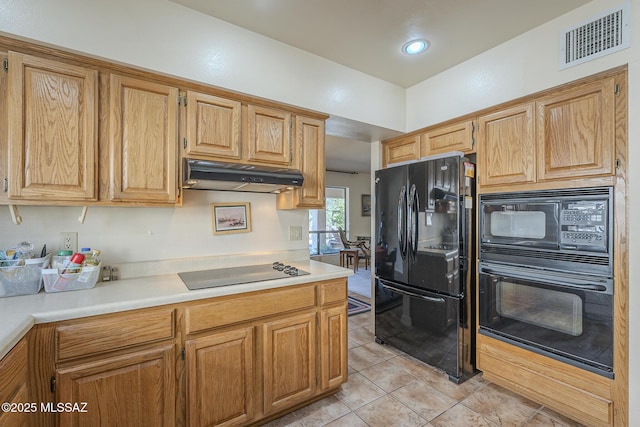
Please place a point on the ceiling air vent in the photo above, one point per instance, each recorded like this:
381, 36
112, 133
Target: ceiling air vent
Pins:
599, 36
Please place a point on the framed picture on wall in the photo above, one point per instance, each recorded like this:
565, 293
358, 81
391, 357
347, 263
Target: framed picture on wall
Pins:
231, 217
366, 205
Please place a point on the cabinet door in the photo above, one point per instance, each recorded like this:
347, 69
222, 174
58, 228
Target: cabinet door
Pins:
576, 132
213, 126
333, 344
456, 137
13, 387
220, 379
289, 361
52, 128
506, 146
144, 140
268, 135
401, 150
310, 159
136, 389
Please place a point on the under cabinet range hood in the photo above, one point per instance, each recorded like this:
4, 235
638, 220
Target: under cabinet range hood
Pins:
208, 175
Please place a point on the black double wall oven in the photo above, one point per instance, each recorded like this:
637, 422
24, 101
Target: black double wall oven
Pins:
546, 273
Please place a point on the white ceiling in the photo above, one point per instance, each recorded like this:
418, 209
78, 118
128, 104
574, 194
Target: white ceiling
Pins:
367, 35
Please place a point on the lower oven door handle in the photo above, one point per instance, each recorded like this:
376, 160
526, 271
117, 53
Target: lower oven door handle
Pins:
582, 287
411, 294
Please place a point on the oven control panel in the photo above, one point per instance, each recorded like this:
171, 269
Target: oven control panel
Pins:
584, 224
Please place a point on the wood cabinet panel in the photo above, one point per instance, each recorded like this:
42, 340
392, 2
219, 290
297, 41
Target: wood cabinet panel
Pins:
213, 126
289, 361
112, 332
401, 150
576, 131
144, 140
506, 146
227, 311
332, 291
52, 130
268, 135
13, 386
220, 378
455, 137
333, 346
135, 389
557, 385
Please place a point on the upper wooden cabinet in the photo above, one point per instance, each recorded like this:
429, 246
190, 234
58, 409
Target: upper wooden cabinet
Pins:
309, 157
506, 153
213, 126
143, 140
401, 150
268, 135
566, 134
576, 131
52, 130
454, 137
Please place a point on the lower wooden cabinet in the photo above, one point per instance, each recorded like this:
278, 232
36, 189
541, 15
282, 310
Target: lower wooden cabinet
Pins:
231, 360
134, 389
14, 389
220, 378
289, 360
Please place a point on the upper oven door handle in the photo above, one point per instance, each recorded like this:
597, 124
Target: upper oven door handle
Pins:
572, 281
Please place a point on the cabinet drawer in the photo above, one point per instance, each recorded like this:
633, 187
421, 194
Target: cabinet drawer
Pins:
113, 332
13, 371
333, 291
234, 309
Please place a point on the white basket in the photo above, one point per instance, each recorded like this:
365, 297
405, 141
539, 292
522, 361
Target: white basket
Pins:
22, 276
70, 278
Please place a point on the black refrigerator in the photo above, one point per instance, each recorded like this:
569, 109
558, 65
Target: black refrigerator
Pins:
424, 261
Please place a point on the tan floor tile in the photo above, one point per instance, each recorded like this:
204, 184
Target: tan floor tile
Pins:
459, 416
289, 420
501, 406
381, 350
349, 420
361, 335
322, 412
387, 376
362, 357
548, 418
388, 412
423, 399
359, 391
438, 379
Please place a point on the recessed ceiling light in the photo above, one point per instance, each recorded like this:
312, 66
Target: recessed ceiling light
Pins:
414, 47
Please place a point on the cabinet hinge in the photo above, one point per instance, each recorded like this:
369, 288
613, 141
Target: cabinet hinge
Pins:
5, 185
53, 384
184, 100
184, 353
618, 163
184, 142
616, 89
5, 64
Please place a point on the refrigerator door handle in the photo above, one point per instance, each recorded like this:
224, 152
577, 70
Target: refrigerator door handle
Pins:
402, 226
412, 221
411, 294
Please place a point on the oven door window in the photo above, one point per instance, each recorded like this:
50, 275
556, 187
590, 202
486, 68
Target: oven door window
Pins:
522, 224
552, 318
554, 310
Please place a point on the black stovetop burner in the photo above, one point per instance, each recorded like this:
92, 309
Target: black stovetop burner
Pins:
238, 275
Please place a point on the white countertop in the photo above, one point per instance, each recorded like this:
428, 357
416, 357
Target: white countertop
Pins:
18, 314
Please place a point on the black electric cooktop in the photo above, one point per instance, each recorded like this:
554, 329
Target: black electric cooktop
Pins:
238, 275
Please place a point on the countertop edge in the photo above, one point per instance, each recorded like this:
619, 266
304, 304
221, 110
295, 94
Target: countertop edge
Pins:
129, 294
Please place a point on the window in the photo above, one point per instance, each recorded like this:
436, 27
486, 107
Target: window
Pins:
324, 223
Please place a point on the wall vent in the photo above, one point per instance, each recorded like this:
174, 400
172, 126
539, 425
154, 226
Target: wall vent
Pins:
597, 37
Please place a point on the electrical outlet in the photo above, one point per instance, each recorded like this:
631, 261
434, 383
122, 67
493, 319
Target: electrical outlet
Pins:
69, 241
295, 232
